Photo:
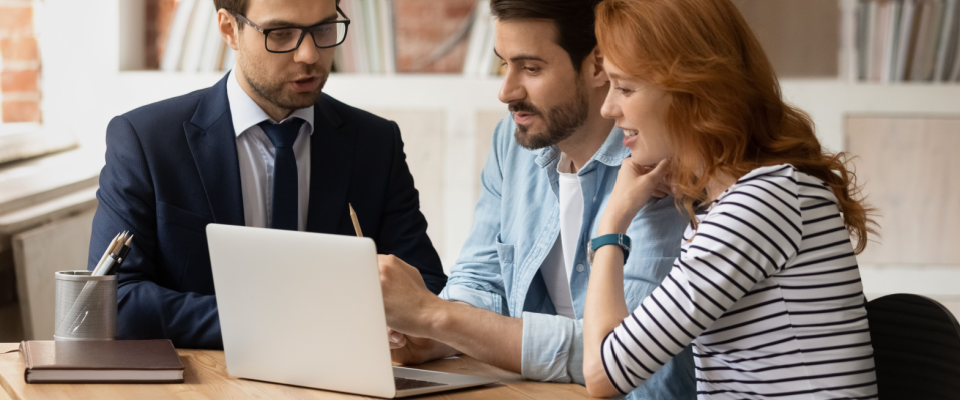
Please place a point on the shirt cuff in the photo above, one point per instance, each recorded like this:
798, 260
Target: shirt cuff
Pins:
552, 349
474, 297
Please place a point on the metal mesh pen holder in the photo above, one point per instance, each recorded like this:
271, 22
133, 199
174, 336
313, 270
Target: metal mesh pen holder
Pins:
86, 306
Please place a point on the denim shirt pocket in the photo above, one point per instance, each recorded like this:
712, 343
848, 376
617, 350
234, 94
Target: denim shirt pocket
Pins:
504, 251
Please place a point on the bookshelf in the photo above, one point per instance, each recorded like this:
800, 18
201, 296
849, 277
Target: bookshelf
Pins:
862, 40
903, 40
888, 41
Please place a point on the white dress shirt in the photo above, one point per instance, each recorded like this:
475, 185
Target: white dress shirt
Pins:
256, 155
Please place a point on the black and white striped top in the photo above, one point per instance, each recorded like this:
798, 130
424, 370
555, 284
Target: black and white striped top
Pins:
768, 291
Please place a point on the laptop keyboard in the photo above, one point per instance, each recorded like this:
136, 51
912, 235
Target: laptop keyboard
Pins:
404, 383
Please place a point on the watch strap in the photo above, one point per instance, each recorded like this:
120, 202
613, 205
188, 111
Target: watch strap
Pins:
611, 239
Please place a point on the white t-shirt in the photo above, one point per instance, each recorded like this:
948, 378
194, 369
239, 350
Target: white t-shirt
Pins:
558, 266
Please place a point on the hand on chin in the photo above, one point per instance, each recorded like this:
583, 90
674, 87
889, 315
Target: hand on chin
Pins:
636, 183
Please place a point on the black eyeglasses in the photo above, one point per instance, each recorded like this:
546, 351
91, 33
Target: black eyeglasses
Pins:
286, 39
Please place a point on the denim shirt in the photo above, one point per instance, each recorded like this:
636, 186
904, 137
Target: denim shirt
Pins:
517, 222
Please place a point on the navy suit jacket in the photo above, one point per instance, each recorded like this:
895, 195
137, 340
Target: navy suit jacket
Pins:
171, 169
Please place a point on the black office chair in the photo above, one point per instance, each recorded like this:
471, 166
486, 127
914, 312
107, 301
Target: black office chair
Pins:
916, 348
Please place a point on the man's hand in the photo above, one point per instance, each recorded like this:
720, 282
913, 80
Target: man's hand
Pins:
397, 340
434, 327
410, 306
419, 350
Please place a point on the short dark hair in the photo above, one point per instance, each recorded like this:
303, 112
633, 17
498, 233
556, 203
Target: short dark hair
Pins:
239, 6
573, 19
233, 6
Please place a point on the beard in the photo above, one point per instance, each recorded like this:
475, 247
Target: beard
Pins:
561, 120
273, 87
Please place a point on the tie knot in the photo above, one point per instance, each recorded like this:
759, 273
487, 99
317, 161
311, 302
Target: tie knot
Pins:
283, 134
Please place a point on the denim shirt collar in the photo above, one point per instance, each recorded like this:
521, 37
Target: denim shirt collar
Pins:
611, 153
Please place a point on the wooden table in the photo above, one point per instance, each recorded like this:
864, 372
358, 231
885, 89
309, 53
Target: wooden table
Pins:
206, 377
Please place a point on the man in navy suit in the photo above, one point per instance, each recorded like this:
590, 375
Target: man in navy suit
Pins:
264, 148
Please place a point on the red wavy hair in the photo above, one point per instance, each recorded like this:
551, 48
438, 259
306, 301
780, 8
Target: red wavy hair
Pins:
726, 115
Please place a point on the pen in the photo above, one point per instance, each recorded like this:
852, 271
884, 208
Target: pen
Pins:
107, 265
124, 248
121, 257
110, 250
112, 269
114, 249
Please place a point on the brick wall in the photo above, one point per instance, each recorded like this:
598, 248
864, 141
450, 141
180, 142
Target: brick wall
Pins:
19, 63
422, 25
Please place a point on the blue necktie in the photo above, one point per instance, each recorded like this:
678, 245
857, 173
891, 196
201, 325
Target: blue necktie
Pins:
285, 193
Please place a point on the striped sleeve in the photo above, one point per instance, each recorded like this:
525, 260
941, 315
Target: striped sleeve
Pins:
750, 233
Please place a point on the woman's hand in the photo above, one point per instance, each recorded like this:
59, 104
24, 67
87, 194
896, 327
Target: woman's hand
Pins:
605, 307
635, 185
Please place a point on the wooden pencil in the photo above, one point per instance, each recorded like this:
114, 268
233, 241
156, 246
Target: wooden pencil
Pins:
356, 224
107, 252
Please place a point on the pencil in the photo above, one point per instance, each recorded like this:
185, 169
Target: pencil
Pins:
113, 249
107, 252
116, 246
356, 224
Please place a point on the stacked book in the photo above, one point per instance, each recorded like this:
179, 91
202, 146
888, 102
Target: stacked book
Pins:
371, 44
194, 43
907, 41
481, 61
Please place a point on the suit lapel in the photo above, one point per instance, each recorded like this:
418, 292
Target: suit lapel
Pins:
331, 164
213, 142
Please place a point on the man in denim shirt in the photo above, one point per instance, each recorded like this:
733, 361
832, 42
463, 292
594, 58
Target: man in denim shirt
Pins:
515, 297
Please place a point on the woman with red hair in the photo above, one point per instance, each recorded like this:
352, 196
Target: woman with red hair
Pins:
767, 286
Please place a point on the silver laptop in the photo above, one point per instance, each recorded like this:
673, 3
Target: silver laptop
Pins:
306, 309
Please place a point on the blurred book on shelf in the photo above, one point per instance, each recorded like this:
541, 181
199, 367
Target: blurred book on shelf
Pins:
481, 61
370, 45
905, 40
159, 15
193, 42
